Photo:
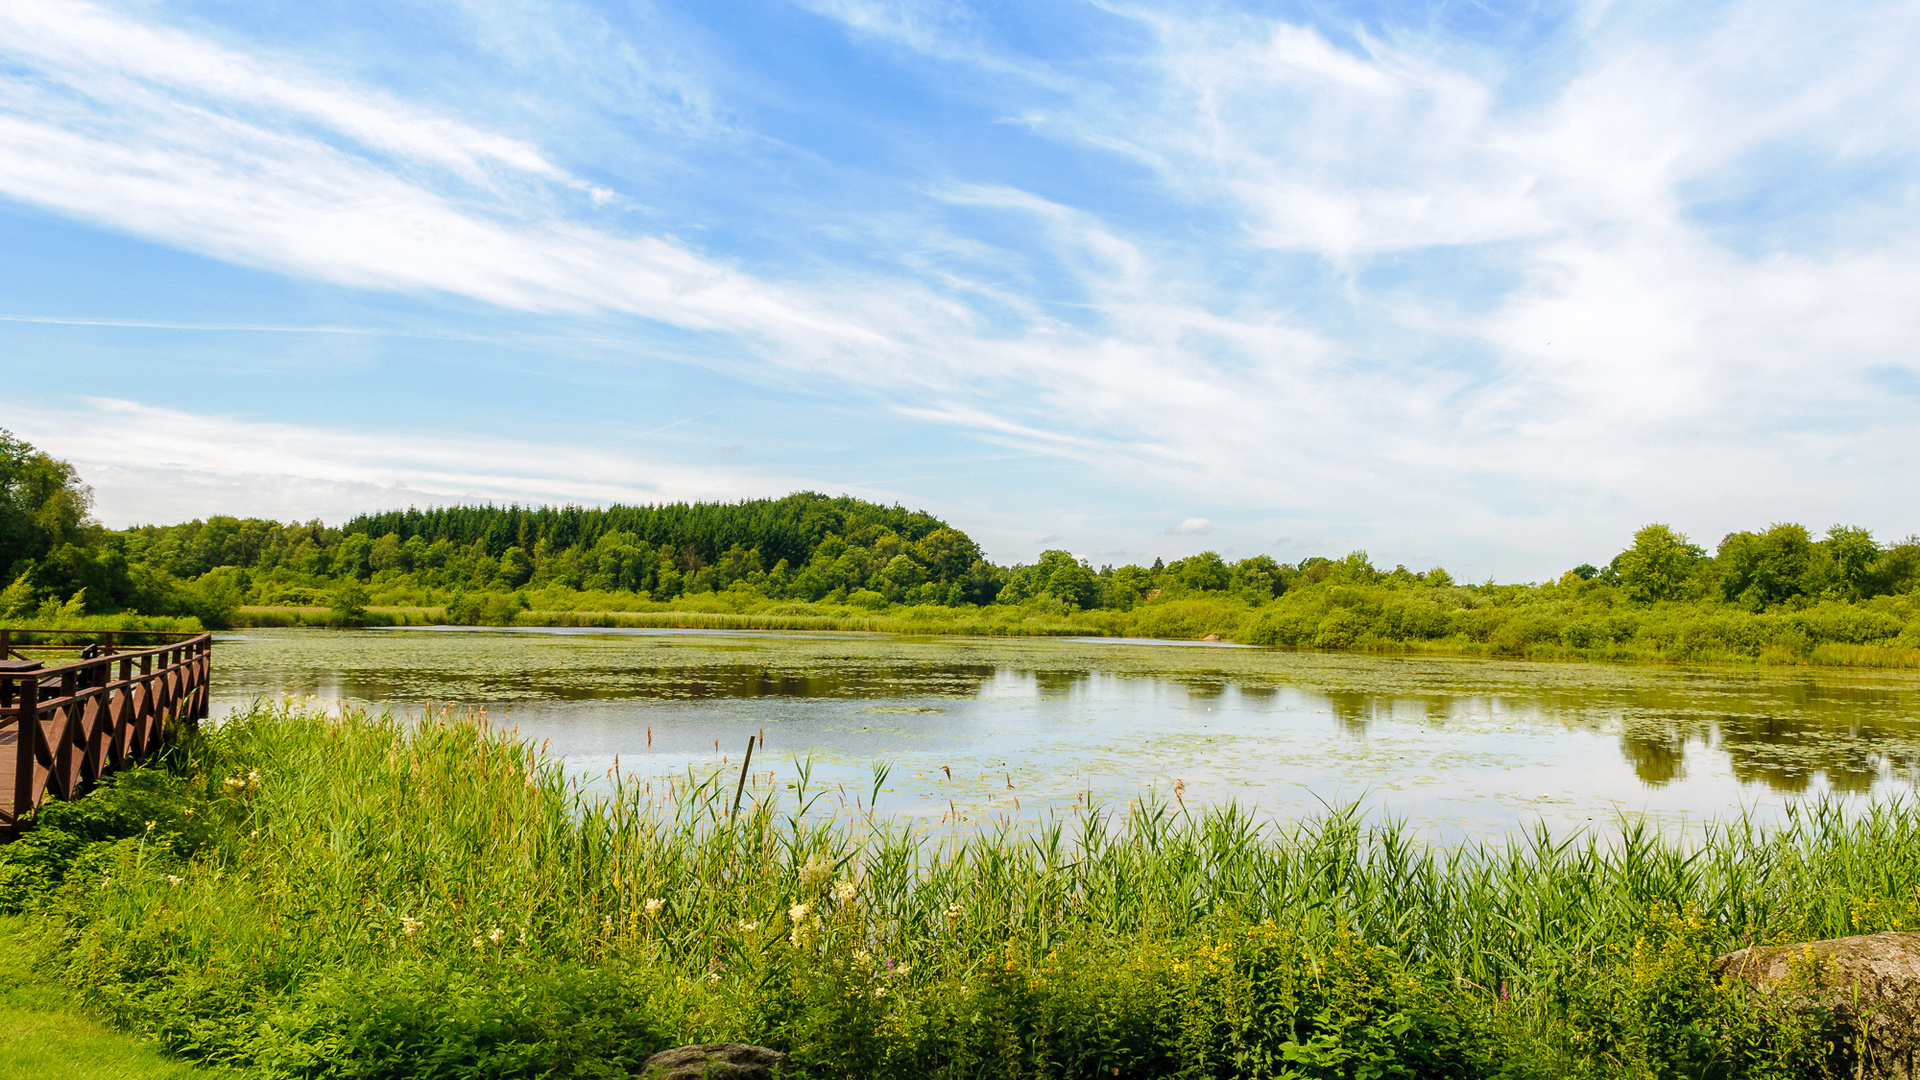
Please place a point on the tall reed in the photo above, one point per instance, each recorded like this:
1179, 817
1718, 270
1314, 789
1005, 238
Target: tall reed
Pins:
306, 846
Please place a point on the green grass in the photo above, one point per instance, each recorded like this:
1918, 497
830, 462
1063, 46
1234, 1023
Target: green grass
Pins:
46, 1035
123, 621
355, 896
1583, 621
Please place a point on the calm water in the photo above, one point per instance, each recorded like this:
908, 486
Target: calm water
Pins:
989, 728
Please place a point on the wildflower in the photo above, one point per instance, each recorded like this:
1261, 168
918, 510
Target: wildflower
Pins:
879, 992
497, 935
713, 976
410, 926
954, 911
235, 784
150, 825
862, 958
523, 939
654, 907
748, 926
816, 873
254, 835
805, 920
845, 892
253, 782
173, 879
479, 943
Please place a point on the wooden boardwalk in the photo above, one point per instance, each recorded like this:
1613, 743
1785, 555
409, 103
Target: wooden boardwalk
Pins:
64, 723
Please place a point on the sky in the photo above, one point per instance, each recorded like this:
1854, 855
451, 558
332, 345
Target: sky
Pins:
1481, 285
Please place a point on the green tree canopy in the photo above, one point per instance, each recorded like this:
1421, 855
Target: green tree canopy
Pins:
43, 505
1659, 565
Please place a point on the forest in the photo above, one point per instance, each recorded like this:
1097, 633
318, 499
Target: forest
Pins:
1781, 592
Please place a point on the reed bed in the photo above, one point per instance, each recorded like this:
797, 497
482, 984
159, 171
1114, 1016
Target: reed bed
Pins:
305, 894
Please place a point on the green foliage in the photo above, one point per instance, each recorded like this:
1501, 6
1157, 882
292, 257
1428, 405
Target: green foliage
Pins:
45, 1036
347, 601
364, 896
1657, 1010
1659, 566
151, 808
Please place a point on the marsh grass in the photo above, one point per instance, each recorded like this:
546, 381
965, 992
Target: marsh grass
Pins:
1359, 619
361, 895
92, 624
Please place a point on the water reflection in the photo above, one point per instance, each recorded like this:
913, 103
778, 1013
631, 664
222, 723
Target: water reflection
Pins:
1434, 740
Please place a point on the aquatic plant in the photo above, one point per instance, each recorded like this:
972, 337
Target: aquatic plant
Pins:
385, 897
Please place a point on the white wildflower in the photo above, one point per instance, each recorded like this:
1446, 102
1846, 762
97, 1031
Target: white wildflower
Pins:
523, 939
954, 911
816, 873
173, 879
410, 926
845, 891
862, 958
713, 976
479, 943
804, 920
497, 935
748, 926
655, 907
879, 992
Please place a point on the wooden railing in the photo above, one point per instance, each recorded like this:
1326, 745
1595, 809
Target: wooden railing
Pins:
64, 723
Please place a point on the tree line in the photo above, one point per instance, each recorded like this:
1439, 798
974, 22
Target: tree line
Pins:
806, 547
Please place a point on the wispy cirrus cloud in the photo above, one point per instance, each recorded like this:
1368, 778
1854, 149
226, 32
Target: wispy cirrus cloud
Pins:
170, 137
1326, 276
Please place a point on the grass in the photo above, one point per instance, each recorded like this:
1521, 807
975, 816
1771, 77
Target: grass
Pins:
46, 1035
124, 621
308, 895
1582, 621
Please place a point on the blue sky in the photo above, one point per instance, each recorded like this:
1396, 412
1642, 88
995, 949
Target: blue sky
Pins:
1481, 285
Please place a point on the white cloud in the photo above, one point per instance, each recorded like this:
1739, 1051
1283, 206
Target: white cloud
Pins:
1597, 353
160, 465
1193, 526
165, 136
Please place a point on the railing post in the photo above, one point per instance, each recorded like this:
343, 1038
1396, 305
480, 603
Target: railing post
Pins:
98, 715
25, 758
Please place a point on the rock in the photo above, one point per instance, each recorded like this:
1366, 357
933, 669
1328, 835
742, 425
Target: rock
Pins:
1874, 976
714, 1061
1211, 637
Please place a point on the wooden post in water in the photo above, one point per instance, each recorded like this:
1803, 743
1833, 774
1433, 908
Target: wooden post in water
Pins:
741, 787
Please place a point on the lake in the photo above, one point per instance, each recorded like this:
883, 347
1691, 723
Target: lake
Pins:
979, 730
